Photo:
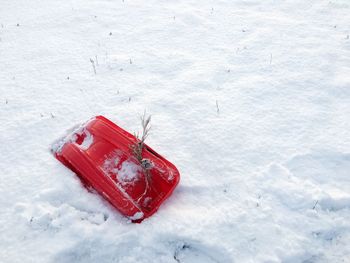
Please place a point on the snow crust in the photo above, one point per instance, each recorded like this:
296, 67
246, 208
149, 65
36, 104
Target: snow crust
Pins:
136, 216
249, 99
71, 136
127, 171
88, 140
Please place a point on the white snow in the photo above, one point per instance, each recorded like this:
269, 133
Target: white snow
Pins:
111, 161
249, 99
72, 135
136, 216
127, 171
87, 141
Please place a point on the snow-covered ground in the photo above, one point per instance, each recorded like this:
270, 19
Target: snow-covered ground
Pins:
249, 99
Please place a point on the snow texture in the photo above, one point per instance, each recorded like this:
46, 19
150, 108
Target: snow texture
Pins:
72, 137
249, 99
87, 141
127, 172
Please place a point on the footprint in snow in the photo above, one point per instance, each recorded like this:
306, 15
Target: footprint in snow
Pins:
318, 180
187, 253
330, 172
131, 247
52, 210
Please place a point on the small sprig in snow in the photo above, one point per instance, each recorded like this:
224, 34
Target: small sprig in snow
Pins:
137, 148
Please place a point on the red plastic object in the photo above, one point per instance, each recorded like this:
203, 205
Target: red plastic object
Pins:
99, 152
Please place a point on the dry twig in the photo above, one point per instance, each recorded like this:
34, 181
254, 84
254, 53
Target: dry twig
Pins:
93, 65
138, 147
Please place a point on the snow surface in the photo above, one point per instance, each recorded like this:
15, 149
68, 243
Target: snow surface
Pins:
249, 99
87, 141
127, 172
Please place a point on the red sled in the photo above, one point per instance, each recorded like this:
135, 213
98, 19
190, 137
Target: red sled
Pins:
100, 153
